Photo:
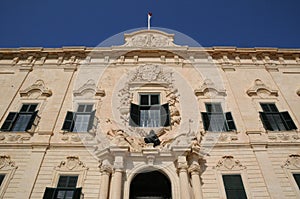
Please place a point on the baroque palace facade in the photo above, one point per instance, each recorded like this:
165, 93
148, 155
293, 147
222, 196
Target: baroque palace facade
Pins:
149, 119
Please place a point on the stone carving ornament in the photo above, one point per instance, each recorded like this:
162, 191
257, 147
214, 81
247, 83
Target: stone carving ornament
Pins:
38, 87
292, 162
229, 163
6, 163
149, 38
72, 163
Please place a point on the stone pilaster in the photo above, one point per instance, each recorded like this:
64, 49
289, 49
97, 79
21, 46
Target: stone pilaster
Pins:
195, 172
105, 171
183, 177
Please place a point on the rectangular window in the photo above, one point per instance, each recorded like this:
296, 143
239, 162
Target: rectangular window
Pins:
80, 121
234, 187
149, 113
297, 179
215, 120
66, 189
21, 121
2, 176
274, 120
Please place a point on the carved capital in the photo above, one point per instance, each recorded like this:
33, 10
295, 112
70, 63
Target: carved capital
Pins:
194, 169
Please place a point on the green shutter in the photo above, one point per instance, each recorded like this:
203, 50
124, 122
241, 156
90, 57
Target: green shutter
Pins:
265, 121
234, 187
92, 119
9, 121
164, 115
69, 121
205, 119
134, 119
290, 125
230, 121
77, 193
31, 121
49, 193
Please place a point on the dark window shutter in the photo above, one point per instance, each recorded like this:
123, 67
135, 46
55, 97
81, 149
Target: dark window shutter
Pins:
31, 121
77, 193
265, 121
297, 179
69, 121
134, 119
9, 121
92, 118
205, 119
49, 193
230, 121
234, 187
164, 115
288, 120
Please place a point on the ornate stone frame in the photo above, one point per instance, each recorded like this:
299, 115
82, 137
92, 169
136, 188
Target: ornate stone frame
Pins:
8, 168
71, 166
209, 90
228, 165
259, 89
292, 166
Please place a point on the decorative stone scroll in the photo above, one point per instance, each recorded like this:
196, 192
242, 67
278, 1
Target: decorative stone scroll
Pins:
89, 88
292, 162
208, 88
38, 89
71, 164
149, 38
260, 89
229, 163
6, 163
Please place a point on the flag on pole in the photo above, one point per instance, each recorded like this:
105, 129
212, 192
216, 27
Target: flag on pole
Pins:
149, 17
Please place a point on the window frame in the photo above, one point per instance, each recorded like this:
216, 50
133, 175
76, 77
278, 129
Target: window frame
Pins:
206, 117
33, 120
269, 124
74, 116
244, 178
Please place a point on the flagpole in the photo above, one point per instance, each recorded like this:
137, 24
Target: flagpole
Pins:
149, 18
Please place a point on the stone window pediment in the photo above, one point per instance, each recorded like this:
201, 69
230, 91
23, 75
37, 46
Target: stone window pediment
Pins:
36, 90
260, 89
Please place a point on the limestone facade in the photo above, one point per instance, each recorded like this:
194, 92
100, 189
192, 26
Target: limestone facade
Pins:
112, 152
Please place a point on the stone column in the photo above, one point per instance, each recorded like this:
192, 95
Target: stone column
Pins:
106, 171
116, 182
195, 171
183, 177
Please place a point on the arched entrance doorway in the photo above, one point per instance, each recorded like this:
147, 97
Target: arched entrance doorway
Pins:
150, 185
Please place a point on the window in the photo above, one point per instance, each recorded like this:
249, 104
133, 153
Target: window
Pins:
297, 179
2, 176
215, 120
66, 189
80, 121
274, 120
21, 121
234, 187
149, 113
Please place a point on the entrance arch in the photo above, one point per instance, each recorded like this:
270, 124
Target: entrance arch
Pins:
150, 185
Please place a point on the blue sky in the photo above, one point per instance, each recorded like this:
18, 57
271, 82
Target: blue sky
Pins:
241, 23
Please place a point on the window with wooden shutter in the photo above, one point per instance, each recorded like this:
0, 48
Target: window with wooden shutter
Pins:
66, 189
149, 113
273, 120
21, 121
215, 120
234, 187
80, 121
